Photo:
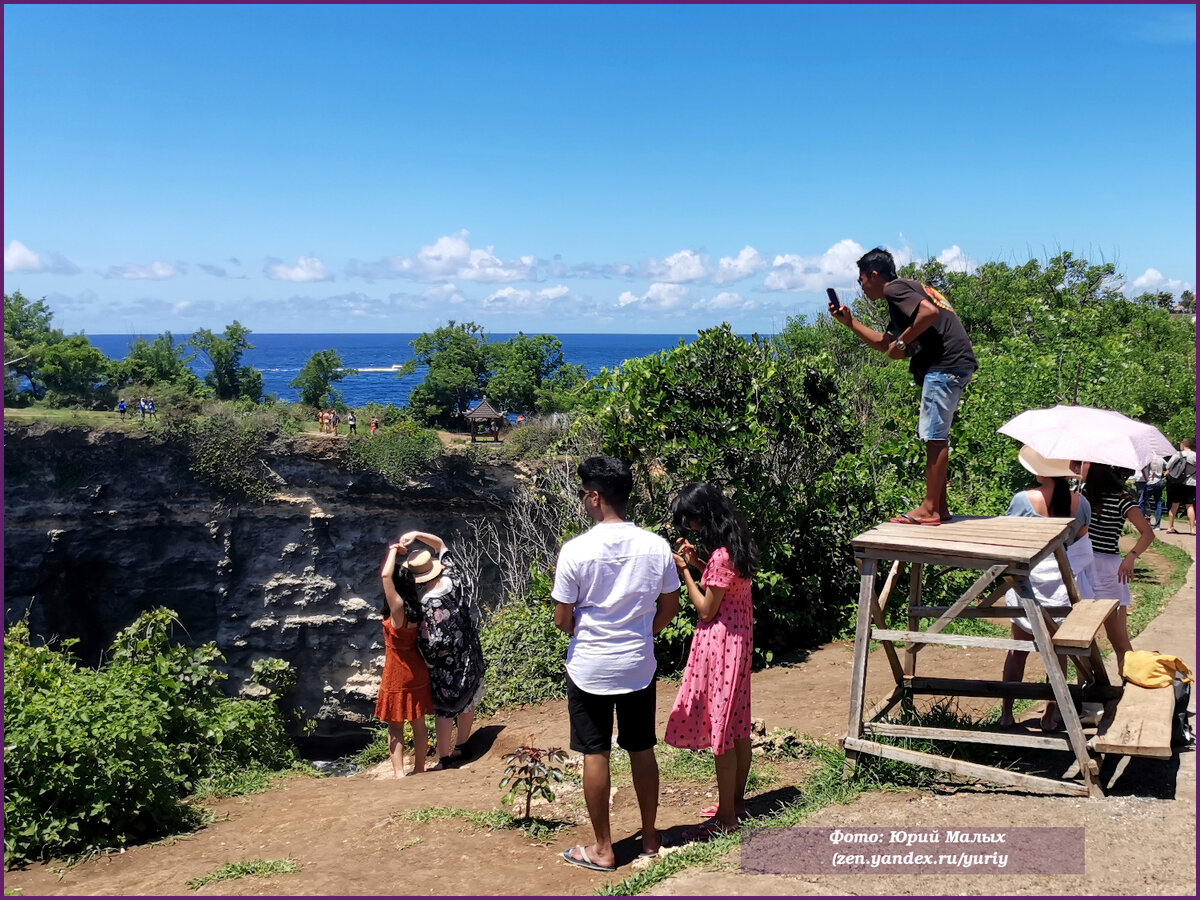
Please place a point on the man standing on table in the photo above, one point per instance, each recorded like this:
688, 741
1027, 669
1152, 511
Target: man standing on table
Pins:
924, 328
616, 587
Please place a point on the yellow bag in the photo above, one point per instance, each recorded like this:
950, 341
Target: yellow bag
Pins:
1149, 669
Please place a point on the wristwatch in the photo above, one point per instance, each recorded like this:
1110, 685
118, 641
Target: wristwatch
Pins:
903, 346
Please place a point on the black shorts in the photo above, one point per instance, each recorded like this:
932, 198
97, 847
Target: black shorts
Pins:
592, 719
1183, 494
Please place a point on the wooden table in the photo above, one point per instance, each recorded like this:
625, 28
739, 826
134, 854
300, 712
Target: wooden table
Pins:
1006, 549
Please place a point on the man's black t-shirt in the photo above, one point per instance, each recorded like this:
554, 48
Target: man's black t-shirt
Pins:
943, 346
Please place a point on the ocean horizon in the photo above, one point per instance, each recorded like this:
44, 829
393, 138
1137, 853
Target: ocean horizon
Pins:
281, 356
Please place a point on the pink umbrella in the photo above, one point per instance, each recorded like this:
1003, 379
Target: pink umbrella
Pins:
1093, 435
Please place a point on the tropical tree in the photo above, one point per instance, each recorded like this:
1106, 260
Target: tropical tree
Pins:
532, 376
228, 378
158, 362
315, 381
27, 334
71, 370
458, 359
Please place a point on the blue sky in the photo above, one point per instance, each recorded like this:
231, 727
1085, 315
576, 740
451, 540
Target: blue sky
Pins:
576, 168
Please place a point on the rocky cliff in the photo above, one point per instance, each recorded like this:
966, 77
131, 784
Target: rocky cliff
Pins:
102, 525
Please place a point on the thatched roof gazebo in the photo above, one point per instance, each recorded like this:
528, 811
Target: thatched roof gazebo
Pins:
484, 420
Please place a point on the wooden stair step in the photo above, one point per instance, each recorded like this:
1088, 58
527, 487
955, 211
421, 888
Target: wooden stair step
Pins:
1083, 623
1139, 724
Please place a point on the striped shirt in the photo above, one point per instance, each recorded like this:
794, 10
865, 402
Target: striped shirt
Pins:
1108, 521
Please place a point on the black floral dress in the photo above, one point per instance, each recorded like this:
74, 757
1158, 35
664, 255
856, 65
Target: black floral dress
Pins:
449, 643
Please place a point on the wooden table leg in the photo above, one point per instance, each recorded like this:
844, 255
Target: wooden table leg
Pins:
858, 673
1058, 683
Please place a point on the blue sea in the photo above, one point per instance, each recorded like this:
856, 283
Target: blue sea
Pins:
281, 356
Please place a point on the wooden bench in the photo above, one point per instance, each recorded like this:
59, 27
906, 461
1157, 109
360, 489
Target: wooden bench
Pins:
1082, 624
1139, 724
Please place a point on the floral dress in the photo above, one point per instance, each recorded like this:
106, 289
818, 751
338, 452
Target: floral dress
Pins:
449, 643
712, 708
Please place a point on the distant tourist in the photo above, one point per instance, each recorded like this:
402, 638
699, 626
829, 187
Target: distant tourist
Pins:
142, 408
374, 424
1112, 507
404, 687
1152, 496
924, 328
335, 420
448, 641
352, 422
1050, 497
712, 708
121, 408
1181, 485
616, 587
150, 408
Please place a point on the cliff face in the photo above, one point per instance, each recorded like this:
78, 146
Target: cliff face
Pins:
102, 525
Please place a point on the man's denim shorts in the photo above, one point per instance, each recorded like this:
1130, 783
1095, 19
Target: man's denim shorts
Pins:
940, 393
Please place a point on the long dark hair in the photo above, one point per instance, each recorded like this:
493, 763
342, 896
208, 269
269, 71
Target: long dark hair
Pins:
407, 589
1060, 500
1103, 481
721, 525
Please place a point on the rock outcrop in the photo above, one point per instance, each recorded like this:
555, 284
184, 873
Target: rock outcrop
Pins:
102, 525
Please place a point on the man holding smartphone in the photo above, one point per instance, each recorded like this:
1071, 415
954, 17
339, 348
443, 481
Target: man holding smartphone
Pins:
925, 329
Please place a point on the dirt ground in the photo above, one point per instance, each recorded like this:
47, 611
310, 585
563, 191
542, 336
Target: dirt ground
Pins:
349, 837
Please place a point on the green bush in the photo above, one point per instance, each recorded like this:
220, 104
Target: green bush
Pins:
524, 650
396, 452
103, 758
533, 440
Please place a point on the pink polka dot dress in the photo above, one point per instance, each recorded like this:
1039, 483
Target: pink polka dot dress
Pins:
713, 705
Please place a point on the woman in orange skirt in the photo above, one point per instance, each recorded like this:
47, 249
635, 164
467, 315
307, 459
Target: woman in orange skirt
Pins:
404, 694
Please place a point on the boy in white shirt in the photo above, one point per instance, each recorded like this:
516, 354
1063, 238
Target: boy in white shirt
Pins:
616, 586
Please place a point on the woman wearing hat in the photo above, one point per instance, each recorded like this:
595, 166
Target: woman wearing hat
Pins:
447, 639
1050, 498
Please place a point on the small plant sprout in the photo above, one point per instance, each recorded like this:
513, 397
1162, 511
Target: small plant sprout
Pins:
529, 772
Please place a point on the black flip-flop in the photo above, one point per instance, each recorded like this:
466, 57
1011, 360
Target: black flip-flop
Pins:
586, 862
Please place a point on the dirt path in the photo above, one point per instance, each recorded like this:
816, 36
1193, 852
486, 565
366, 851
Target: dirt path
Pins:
349, 839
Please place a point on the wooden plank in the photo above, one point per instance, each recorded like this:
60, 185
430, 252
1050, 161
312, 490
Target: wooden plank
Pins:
884, 705
858, 672
1083, 623
1058, 681
971, 612
1001, 528
947, 549
916, 578
1008, 739
1067, 573
955, 640
1018, 690
886, 593
1015, 567
970, 536
961, 603
1139, 725
966, 769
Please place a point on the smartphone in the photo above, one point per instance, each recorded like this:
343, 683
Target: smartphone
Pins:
833, 298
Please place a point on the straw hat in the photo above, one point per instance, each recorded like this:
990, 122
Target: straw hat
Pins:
1047, 468
423, 567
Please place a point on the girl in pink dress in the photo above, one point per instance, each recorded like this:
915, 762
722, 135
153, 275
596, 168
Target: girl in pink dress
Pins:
713, 705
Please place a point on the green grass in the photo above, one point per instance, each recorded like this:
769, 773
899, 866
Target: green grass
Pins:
249, 868
1150, 598
250, 780
542, 830
67, 416
696, 766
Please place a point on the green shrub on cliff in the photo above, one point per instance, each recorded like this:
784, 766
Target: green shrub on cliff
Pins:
396, 452
98, 758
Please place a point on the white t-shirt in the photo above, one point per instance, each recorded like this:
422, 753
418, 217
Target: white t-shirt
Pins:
613, 575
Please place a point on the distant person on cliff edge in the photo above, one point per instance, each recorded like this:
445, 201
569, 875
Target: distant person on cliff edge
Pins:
615, 587
925, 329
352, 422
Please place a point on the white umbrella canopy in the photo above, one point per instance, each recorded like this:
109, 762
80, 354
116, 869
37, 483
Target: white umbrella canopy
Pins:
1091, 435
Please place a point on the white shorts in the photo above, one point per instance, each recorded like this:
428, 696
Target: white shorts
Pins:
1105, 585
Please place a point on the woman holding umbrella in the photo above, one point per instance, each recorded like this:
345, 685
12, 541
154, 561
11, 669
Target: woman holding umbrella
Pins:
1112, 507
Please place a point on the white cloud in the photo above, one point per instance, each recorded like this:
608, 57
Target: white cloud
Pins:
307, 268
510, 299
156, 271
836, 267
735, 268
450, 257
1154, 281
661, 297
955, 260
19, 258
727, 300
684, 266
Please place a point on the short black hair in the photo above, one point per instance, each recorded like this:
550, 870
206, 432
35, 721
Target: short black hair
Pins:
610, 476
878, 260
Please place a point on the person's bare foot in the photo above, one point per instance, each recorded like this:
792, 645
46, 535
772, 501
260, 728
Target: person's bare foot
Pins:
1007, 720
1050, 718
